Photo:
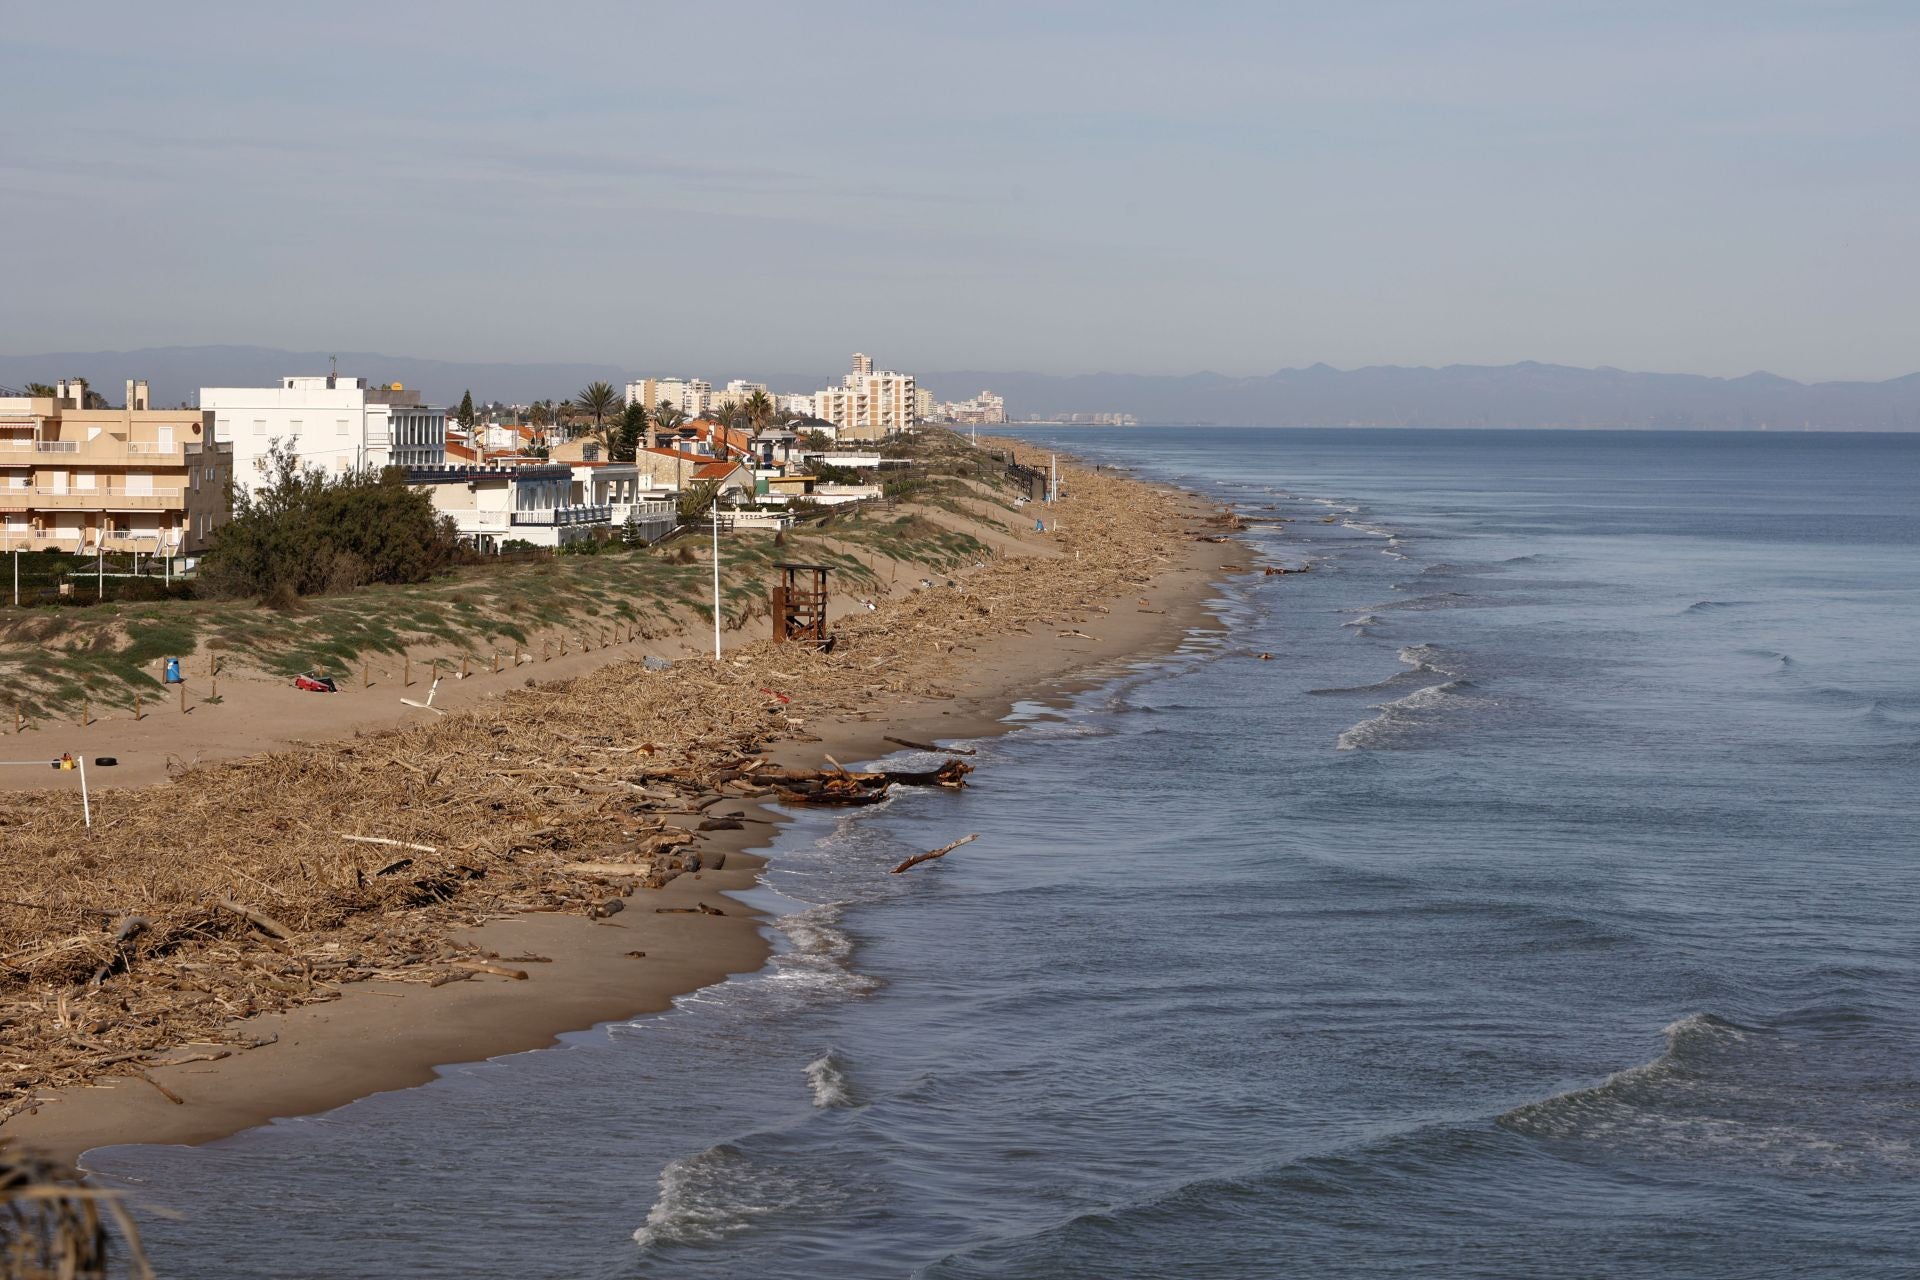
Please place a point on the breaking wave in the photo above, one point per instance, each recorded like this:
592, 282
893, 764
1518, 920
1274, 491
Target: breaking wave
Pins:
827, 1080
1713, 606
1426, 659
713, 1194
1402, 714
1421, 604
1423, 660
819, 953
1722, 1091
1364, 620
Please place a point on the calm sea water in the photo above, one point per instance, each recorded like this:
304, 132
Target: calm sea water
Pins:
1546, 906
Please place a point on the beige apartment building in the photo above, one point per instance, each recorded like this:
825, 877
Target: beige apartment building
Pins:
869, 404
129, 479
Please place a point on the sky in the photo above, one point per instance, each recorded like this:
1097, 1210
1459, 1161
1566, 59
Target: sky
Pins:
1054, 187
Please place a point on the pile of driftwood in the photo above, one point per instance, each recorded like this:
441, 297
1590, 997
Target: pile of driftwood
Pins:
843, 787
255, 885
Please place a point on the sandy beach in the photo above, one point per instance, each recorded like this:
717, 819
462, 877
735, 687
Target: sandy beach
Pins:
373, 1034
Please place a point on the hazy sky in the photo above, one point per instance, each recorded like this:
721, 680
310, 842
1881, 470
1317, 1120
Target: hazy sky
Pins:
1059, 187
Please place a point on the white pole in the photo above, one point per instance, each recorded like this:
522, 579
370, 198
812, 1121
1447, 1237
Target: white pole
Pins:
716, 577
100, 569
1053, 482
16, 577
86, 805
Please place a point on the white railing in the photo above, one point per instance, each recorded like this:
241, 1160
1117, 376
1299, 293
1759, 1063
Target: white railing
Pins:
56, 446
153, 447
565, 515
44, 491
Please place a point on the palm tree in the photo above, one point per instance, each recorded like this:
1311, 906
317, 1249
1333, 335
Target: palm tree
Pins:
668, 417
597, 400
759, 410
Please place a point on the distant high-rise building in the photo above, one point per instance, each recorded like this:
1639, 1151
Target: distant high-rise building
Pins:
691, 396
984, 409
869, 404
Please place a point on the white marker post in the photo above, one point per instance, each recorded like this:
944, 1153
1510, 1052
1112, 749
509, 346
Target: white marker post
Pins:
716, 577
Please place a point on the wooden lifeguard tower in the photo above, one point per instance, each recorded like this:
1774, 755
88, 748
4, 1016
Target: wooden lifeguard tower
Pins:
800, 605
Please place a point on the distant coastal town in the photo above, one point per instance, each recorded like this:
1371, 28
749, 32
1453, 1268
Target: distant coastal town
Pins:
83, 476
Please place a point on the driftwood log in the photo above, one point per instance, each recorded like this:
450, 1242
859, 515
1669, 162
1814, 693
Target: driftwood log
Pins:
847, 787
931, 854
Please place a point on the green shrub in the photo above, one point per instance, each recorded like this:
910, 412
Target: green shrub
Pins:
306, 533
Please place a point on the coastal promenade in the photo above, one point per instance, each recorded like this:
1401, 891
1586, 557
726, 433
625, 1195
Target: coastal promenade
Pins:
330, 919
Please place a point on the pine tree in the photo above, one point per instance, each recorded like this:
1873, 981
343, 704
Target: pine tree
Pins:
631, 432
465, 414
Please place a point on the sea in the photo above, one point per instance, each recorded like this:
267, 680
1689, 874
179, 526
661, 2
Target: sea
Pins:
1525, 883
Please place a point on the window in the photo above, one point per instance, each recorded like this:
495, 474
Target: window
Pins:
339, 426
259, 426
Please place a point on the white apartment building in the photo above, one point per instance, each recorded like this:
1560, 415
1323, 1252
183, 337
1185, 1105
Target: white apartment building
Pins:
335, 423
801, 404
869, 404
692, 396
985, 408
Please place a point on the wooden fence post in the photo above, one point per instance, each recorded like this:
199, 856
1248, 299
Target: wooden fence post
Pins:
463, 666
183, 697
136, 704
406, 670
366, 673
496, 662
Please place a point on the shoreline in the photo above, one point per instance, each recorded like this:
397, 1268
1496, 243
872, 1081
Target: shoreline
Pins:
378, 1036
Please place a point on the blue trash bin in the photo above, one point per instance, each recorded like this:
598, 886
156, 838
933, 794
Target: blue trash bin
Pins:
173, 671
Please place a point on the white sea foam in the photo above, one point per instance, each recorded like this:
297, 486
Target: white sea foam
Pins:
1426, 658
827, 1080
819, 955
713, 1194
1364, 620
1401, 714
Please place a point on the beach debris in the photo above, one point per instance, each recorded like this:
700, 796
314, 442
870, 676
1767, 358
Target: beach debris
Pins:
165, 1092
498, 970
931, 854
501, 809
395, 844
928, 746
841, 786
603, 910
428, 704
259, 920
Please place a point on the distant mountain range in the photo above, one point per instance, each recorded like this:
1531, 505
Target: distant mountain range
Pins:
1515, 395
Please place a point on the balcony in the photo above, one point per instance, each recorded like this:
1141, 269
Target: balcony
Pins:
565, 516
42, 498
